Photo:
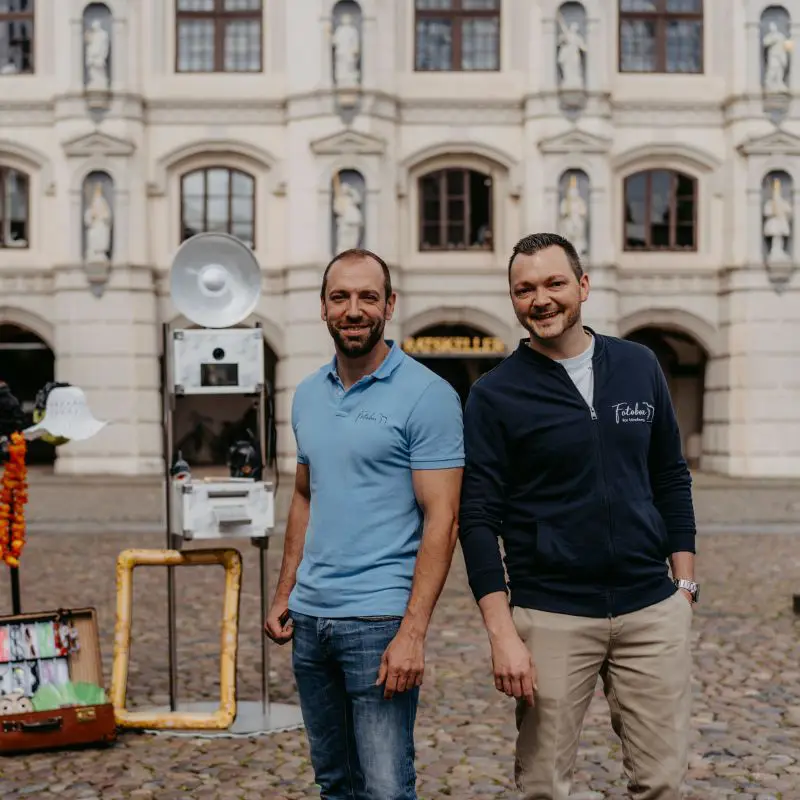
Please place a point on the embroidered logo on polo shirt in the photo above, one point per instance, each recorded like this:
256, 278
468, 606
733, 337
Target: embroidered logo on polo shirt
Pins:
638, 412
372, 416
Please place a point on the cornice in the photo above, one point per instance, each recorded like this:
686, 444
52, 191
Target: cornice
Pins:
460, 111
203, 111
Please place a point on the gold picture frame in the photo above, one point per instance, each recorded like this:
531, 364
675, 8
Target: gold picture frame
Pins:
224, 715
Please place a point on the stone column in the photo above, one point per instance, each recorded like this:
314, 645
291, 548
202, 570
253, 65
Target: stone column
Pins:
752, 416
108, 346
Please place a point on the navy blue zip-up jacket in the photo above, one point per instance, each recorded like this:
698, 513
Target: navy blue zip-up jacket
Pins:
589, 501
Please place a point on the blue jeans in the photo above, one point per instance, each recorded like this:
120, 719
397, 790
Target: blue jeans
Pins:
362, 745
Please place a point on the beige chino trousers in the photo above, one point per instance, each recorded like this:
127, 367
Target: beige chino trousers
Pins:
644, 659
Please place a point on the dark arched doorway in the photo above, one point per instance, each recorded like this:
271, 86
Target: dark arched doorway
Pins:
26, 364
458, 353
205, 426
683, 360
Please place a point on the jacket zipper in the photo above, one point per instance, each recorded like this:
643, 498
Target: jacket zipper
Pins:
604, 491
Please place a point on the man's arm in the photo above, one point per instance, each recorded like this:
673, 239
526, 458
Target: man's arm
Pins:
279, 630
671, 481
483, 500
483, 495
295, 537
437, 492
436, 454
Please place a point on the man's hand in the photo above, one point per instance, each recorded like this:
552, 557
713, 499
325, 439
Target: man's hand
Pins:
279, 626
688, 597
514, 671
402, 664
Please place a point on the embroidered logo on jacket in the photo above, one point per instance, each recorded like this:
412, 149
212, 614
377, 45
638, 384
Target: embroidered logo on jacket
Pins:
638, 412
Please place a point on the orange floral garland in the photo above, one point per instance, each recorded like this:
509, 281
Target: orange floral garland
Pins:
13, 496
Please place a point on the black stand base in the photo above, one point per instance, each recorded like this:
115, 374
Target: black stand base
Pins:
16, 605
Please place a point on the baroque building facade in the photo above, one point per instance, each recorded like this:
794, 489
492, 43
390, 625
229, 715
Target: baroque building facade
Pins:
662, 136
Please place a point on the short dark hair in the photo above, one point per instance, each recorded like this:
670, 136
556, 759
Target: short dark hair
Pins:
535, 242
358, 252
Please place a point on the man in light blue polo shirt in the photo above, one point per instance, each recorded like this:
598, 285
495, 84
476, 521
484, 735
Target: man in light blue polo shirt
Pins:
369, 540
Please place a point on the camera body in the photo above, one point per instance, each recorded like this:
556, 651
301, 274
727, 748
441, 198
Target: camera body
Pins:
218, 361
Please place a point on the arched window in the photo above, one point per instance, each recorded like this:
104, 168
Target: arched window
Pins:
661, 36
13, 208
455, 208
16, 37
220, 200
218, 35
660, 211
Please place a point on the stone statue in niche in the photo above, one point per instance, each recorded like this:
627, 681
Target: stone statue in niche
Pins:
777, 224
573, 215
571, 45
347, 210
346, 53
96, 57
777, 48
97, 222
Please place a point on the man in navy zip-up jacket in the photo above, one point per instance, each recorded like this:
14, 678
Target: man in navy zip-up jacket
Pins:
573, 459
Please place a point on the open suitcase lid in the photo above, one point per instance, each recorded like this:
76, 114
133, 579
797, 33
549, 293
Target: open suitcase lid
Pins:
85, 665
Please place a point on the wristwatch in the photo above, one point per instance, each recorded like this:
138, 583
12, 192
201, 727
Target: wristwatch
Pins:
690, 586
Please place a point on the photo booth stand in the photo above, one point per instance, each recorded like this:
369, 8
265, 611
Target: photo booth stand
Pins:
215, 283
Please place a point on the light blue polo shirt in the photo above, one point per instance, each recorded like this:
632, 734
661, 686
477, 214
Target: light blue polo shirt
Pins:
361, 446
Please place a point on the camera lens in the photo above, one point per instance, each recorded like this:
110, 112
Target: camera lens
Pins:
218, 353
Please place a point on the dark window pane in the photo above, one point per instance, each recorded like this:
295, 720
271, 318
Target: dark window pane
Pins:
456, 184
650, 6
455, 235
480, 196
685, 186
243, 46
480, 5
16, 47
434, 5
431, 235
637, 46
195, 45
684, 6
13, 208
635, 199
659, 236
685, 210
480, 42
16, 6
455, 211
434, 45
685, 236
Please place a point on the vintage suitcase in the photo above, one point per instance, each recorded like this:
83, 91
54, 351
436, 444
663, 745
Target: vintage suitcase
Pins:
63, 727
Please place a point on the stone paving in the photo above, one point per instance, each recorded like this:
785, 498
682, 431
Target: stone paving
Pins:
746, 724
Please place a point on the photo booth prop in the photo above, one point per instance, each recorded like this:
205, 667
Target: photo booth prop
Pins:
215, 283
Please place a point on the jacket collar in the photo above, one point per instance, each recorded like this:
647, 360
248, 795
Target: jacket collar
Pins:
531, 356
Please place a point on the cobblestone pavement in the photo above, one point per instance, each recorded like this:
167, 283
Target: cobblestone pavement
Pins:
746, 727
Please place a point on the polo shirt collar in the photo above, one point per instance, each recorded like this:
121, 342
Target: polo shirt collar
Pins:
389, 364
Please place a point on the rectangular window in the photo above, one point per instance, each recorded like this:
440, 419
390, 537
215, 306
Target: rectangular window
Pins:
218, 35
16, 37
457, 35
661, 36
